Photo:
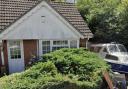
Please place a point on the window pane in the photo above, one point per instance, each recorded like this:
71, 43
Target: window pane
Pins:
56, 45
57, 48
73, 44
15, 51
45, 47
60, 42
45, 42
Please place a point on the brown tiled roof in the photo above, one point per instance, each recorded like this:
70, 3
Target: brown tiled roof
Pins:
12, 10
70, 12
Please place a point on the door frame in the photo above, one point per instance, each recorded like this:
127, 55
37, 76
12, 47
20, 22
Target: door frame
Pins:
22, 52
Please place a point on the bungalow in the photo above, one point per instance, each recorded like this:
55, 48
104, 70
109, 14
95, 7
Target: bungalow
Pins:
36, 27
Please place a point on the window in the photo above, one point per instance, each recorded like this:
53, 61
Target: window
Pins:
43, 19
45, 47
122, 48
59, 44
52, 45
111, 57
15, 50
113, 48
73, 44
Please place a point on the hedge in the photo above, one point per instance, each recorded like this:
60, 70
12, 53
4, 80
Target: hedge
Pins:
62, 69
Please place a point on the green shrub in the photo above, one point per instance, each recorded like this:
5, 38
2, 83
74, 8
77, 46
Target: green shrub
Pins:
32, 78
62, 69
85, 65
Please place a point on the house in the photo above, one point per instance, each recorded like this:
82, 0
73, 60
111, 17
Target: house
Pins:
36, 27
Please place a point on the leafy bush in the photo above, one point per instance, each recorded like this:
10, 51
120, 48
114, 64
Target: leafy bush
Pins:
85, 65
63, 69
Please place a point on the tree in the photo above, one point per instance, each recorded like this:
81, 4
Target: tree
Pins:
106, 18
123, 22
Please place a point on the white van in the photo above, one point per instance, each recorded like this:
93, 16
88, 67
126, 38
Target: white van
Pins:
114, 54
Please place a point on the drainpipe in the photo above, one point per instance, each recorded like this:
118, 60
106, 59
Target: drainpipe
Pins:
1, 50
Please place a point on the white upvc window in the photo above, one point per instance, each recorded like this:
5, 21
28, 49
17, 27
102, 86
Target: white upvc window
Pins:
15, 50
59, 44
73, 44
47, 46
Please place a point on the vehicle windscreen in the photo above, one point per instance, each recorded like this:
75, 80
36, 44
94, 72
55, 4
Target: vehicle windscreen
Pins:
116, 48
113, 48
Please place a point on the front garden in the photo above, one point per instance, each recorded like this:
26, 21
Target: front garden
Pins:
62, 69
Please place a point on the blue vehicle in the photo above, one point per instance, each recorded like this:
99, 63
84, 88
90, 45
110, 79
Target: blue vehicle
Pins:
115, 54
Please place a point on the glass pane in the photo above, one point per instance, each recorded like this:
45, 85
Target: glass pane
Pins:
122, 48
57, 48
73, 44
113, 48
15, 51
60, 42
18, 56
45, 42
45, 47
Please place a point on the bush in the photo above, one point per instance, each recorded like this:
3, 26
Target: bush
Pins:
63, 69
85, 65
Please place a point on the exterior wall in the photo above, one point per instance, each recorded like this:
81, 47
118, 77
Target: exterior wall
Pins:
30, 48
83, 42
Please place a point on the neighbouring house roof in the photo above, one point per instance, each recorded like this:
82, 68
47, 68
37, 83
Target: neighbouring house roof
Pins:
12, 10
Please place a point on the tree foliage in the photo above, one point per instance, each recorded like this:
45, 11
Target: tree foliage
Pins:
108, 19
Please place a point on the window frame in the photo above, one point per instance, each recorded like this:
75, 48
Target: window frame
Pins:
60, 45
20, 49
53, 45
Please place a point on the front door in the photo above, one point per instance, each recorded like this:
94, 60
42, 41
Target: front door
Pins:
15, 56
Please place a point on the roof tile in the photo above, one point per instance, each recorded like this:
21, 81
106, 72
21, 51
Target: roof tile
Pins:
11, 10
72, 15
